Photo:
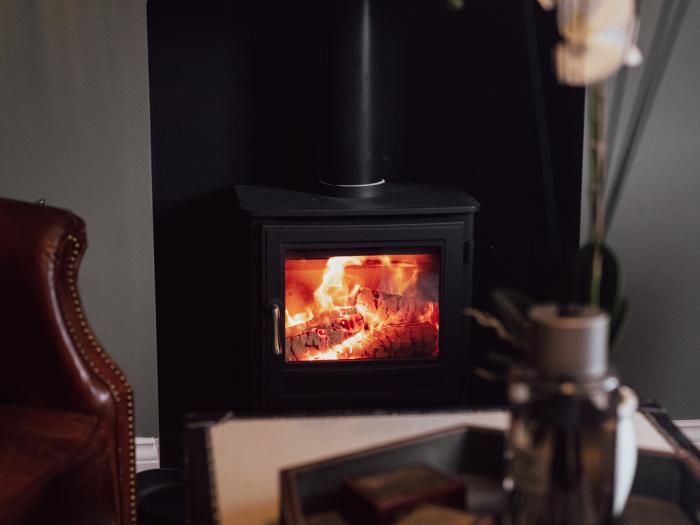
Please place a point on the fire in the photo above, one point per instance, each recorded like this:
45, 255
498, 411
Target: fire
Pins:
335, 288
362, 307
298, 318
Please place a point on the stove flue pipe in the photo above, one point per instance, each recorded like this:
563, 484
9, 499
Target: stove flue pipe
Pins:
353, 165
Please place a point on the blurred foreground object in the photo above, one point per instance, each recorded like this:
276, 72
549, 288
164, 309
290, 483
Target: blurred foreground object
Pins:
599, 37
571, 445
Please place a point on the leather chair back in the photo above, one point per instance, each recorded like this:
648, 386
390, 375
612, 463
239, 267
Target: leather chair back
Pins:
51, 357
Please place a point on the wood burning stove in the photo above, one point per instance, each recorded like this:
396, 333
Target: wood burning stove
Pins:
357, 292
357, 302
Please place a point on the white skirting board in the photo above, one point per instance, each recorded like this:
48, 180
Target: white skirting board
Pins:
148, 452
691, 428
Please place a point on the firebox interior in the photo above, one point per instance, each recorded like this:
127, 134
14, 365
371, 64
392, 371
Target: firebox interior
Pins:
361, 306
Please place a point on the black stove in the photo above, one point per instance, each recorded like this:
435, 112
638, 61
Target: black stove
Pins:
356, 302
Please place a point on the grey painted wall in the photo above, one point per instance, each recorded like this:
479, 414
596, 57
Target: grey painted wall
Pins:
656, 234
74, 129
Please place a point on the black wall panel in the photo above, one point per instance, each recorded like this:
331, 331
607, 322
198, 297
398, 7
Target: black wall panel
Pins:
237, 97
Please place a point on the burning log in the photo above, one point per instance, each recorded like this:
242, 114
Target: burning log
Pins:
323, 331
392, 308
381, 325
322, 320
394, 342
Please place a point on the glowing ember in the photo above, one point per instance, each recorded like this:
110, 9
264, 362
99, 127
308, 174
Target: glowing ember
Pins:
362, 307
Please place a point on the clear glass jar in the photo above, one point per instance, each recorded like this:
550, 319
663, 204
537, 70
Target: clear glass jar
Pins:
560, 450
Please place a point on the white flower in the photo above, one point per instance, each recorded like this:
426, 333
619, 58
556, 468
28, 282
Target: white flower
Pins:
599, 37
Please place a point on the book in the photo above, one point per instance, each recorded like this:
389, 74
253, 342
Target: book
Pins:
381, 498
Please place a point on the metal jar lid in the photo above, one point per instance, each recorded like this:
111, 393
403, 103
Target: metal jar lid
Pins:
570, 342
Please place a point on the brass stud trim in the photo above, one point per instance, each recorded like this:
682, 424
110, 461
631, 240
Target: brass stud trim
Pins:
70, 273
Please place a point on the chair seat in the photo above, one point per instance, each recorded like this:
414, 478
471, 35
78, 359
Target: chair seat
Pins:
37, 446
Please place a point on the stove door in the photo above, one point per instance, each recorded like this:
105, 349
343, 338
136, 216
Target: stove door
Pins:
364, 315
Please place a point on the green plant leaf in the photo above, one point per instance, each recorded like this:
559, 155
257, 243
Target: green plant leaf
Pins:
617, 322
511, 308
611, 285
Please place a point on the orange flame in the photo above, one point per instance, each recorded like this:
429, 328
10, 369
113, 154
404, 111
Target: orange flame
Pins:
334, 290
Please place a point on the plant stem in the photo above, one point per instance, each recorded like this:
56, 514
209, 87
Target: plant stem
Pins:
597, 185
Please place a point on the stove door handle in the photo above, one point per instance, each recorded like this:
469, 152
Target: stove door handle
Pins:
276, 342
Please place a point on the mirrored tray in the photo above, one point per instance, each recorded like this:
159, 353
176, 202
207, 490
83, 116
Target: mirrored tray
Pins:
666, 488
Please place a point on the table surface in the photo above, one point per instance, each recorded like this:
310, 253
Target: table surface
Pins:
248, 454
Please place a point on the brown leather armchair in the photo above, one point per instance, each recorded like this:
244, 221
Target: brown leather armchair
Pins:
66, 410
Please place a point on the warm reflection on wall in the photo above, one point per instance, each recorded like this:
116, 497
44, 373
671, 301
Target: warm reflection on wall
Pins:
362, 307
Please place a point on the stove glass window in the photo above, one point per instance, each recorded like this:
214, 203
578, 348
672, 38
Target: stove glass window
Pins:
361, 306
